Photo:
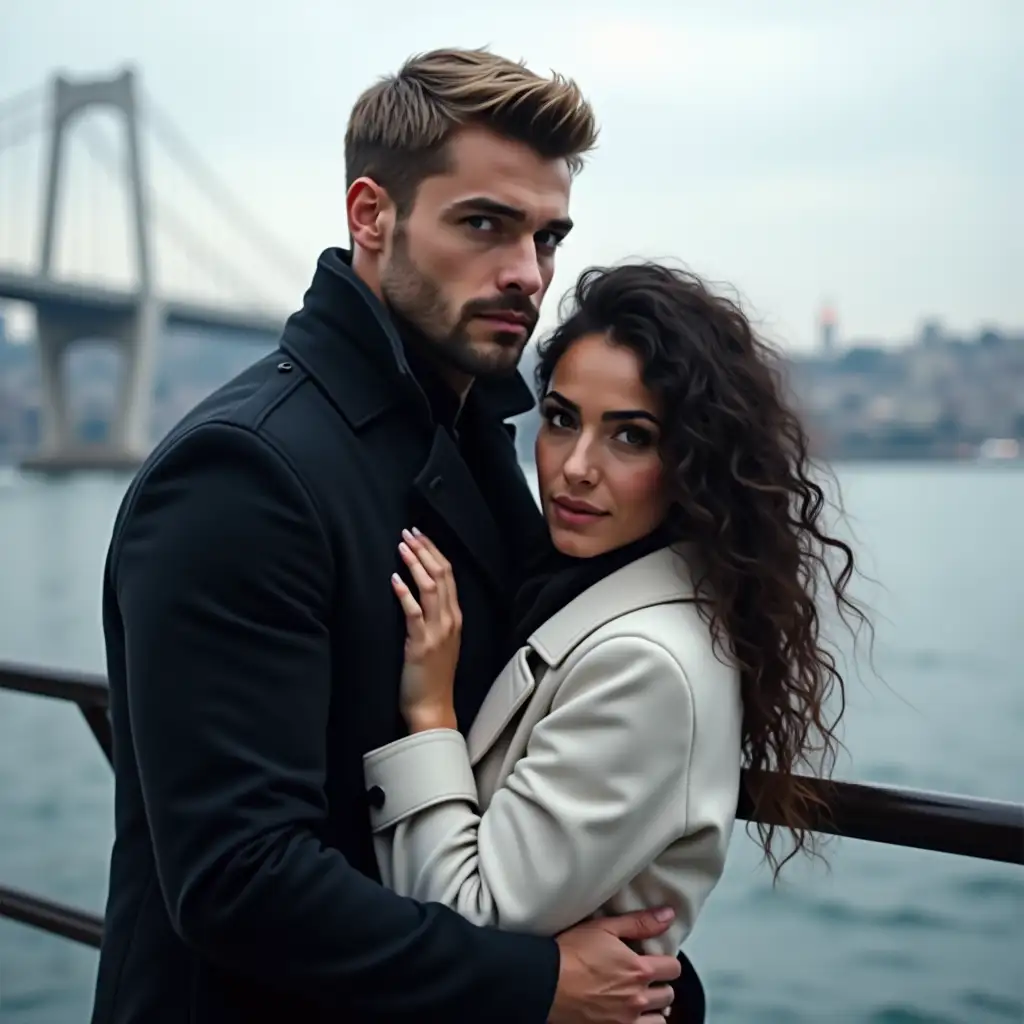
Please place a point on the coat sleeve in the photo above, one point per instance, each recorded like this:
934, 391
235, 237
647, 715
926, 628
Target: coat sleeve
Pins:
599, 793
223, 581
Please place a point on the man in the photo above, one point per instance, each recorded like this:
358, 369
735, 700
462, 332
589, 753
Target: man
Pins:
254, 644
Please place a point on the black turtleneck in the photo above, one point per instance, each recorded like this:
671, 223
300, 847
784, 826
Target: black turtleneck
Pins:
445, 404
556, 579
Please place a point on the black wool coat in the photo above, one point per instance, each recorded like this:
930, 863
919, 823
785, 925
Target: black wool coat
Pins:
254, 650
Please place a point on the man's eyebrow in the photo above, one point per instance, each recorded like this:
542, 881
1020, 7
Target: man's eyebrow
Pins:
482, 204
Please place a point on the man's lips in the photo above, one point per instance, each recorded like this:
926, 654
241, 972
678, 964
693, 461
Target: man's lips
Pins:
516, 320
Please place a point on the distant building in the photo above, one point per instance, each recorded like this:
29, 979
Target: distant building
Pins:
932, 335
6, 346
827, 331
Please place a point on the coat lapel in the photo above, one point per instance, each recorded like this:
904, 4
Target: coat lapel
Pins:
447, 486
662, 577
509, 693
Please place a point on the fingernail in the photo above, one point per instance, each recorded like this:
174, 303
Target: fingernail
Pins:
664, 914
407, 535
395, 578
416, 531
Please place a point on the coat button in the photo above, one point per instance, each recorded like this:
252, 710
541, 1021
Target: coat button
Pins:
375, 795
436, 483
284, 367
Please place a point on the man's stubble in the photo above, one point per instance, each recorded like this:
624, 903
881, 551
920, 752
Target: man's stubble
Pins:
420, 301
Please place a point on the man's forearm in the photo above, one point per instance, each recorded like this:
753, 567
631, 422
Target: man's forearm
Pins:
291, 909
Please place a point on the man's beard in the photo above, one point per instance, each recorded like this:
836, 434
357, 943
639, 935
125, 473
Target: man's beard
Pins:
419, 301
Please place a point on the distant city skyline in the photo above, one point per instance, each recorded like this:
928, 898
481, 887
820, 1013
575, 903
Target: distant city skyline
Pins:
861, 155
15, 325
946, 397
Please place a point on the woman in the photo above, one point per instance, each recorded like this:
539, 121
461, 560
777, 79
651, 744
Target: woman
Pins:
671, 636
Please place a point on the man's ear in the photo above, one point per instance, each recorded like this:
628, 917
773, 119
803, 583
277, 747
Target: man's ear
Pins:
371, 214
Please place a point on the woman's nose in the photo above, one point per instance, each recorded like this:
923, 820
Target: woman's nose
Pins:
579, 466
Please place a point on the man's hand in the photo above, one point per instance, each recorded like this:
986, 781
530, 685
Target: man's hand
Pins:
602, 981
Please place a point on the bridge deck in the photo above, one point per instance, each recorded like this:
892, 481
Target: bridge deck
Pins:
72, 298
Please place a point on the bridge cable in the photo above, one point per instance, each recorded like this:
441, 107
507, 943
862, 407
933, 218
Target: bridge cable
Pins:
20, 120
223, 196
98, 148
92, 219
25, 100
12, 136
201, 252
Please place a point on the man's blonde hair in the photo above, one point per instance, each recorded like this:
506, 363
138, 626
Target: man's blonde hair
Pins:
399, 127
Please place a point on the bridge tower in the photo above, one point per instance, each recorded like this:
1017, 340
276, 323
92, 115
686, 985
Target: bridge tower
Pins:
134, 326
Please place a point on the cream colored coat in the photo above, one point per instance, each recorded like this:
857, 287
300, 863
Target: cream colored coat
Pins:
601, 774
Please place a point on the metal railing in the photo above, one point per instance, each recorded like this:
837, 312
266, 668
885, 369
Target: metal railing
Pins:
966, 826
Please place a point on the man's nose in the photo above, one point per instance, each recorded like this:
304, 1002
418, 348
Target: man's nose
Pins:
521, 269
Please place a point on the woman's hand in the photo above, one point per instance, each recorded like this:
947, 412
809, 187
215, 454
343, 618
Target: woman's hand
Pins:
433, 636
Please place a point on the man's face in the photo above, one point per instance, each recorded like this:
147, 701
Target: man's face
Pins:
471, 263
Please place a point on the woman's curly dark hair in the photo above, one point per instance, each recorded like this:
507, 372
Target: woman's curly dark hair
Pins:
744, 497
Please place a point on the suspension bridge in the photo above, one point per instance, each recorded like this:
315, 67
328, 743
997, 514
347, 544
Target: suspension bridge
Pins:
109, 280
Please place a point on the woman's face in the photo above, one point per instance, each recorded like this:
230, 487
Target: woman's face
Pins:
599, 470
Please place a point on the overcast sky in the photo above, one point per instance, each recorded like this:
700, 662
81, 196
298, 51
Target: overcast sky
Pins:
859, 151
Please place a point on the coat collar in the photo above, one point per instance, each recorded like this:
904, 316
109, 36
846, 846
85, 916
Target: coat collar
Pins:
346, 341
662, 577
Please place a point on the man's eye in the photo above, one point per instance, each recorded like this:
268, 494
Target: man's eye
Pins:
548, 239
478, 222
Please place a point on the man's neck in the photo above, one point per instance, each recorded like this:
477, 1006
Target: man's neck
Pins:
420, 352
412, 338
446, 401
366, 270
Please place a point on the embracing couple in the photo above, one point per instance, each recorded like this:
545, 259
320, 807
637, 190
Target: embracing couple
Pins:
391, 743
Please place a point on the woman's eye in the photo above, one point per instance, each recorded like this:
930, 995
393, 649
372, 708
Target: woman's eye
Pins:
636, 437
558, 418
